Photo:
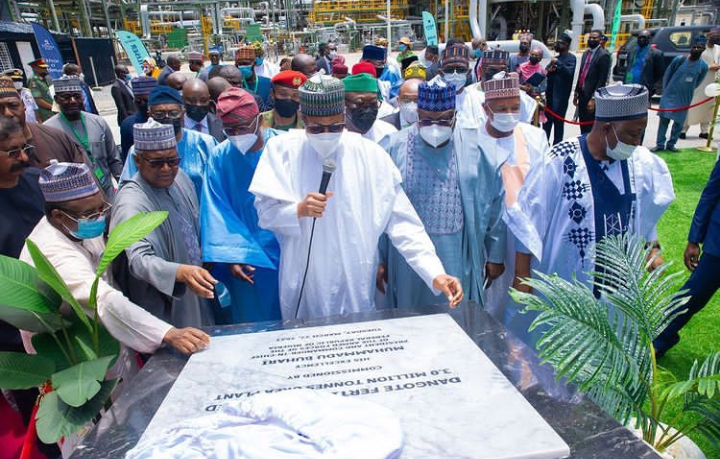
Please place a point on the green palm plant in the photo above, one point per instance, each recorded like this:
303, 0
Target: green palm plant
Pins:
605, 346
74, 350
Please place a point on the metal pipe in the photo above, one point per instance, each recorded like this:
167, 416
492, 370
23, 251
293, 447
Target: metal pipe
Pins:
473, 16
482, 14
56, 23
638, 18
389, 26
447, 20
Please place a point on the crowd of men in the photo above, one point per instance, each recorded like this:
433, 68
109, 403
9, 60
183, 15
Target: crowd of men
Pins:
441, 190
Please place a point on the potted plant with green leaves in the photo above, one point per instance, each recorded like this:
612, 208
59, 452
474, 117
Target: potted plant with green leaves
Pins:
74, 350
605, 346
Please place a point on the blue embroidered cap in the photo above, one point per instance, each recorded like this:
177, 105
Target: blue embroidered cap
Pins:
373, 52
164, 95
62, 182
436, 95
143, 85
153, 136
621, 102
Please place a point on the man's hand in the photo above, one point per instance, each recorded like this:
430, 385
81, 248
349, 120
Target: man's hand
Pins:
575, 99
494, 270
591, 105
313, 205
450, 287
197, 279
522, 271
381, 278
243, 272
656, 261
692, 255
714, 67
187, 340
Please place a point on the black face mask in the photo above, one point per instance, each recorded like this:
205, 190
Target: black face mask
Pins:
363, 118
643, 42
176, 124
534, 60
696, 54
524, 48
197, 112
592, 44
379, 71
559, 47
286, 108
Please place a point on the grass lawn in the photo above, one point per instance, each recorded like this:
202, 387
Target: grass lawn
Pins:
690, 170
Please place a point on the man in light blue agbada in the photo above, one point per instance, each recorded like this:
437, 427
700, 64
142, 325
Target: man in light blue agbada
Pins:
458, 193
246, 256
165, 105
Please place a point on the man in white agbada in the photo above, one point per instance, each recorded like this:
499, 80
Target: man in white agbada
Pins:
598, 184
71, 235
520, 147
364, 200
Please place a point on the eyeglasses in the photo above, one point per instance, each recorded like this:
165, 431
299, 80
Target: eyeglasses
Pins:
320, 128
441, 122
15, 154
353, 105
171, 115
160, 162
240, 130
449, 70
73, 216
69, 96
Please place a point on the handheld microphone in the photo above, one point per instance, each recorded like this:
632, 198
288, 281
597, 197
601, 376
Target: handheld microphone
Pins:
328, 168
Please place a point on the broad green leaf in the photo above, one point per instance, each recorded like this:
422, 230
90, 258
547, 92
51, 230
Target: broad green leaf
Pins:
79, 383
127, 233
57, 419
22, 288
47, 273
81, 341
35, 322
46, 346
24, 371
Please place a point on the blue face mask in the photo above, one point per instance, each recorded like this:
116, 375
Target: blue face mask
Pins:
402, 47
128, 77
478, 53
258, 61
88, 228
246, 71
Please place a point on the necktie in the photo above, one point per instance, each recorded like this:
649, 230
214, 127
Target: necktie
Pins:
586, 67
198, 127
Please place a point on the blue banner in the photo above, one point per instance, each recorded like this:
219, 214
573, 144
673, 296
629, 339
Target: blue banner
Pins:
48, 50
429, 28
134, 48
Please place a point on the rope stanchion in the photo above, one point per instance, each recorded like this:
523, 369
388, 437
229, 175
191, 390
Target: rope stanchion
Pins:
576, 123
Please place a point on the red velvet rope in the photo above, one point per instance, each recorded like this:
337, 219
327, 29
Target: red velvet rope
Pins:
681, 108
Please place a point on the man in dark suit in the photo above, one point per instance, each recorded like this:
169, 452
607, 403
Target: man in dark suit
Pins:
704, 280
646, 64
122, 94
196, 98
594, 71
173, 65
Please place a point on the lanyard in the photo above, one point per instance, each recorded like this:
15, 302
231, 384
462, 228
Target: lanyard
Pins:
254, 90
82, 139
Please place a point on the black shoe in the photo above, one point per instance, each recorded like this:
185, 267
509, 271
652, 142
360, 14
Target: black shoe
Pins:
657, 148
672, 149
704, 136
683, 135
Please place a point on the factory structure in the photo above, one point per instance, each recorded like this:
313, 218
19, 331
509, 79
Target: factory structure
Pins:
289, 26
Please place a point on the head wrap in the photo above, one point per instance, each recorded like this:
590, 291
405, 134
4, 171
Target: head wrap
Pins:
436, 95
455, 54
502, 85
61, 182
143, 85
245, 52
372, 52
339, 69
495, 58
322, 95
362, 82
38, 63
164, 95
236, 103
67, 84
289, 78
621, 102
416, 70
700, 40
14, 74
7, 87
153, 136
405, 41
364, 67
150, 61
195, 56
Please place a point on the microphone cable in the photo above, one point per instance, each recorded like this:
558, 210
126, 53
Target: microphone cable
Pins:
307, 265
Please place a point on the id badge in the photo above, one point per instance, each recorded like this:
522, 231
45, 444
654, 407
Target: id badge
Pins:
689, 79
102, 178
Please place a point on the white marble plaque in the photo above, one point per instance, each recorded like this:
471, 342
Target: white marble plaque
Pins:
451, 399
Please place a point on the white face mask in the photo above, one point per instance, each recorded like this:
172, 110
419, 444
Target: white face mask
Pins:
325, 143
243, 142
409, 113
435, 135
622, 151
504, 122
456, 79
18, 85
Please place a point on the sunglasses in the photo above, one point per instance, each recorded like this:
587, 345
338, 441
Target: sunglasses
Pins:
171, 115
15, 154
429, 122
320, 128
160, 162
